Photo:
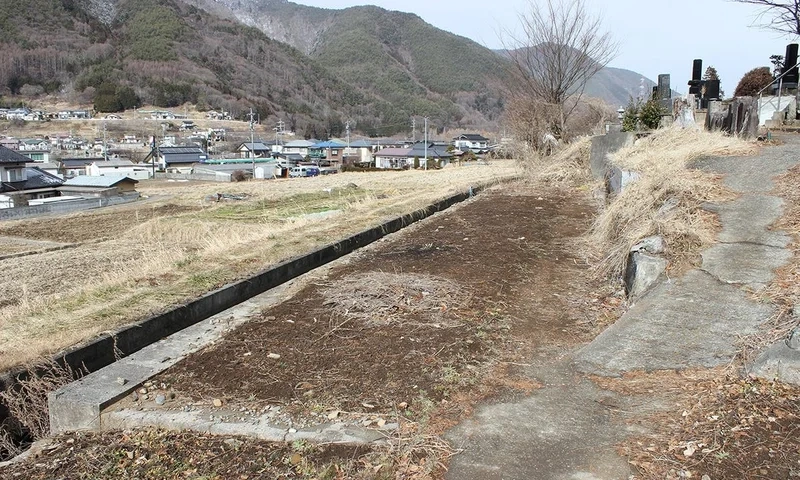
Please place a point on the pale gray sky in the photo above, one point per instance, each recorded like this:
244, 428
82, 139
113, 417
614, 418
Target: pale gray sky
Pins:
654, 36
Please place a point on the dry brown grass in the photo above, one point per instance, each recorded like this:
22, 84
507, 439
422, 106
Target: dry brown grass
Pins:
148, 263
568, 166
667, 197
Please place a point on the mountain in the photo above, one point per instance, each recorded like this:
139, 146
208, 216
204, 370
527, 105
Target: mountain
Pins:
617, 86
419, 69
168, 53
314, 68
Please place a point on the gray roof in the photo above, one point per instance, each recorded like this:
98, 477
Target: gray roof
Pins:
36, 179
114, 163
393, 152
10, 156
300, 143
106, 181
181, 150
255, 146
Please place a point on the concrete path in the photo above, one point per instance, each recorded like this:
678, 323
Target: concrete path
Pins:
564, 430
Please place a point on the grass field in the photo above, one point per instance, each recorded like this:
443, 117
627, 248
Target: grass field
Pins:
131, 261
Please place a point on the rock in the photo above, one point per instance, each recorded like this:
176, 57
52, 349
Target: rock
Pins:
217, 402
402, 405
793, 339
121, 381
654, 245
161, 399
778, 362
292, 430
381, 423
142, 391
134, 396
233, 443
273, 356
642, 272
333, 415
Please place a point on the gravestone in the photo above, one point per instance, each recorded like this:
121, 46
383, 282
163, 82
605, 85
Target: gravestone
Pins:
664, 91
716, 116
683, 111
742, 117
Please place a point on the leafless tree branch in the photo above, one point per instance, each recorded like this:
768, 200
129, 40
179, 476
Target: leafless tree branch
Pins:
783, 17
559, 47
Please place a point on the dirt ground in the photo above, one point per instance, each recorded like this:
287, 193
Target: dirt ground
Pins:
419, 318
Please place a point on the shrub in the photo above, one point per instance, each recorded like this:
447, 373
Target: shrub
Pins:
238, 176
752, 82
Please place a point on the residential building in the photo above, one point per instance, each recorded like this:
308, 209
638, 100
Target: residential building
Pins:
76, 166
257, 149
393, 158
328, 152
104, 186
299, 147
34, 145
472, 141
117, 168
20, 183
180, 159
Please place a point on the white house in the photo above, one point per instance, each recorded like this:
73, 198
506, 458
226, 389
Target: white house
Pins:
471, 141
34, 145
299, 147
393, 158
117, 168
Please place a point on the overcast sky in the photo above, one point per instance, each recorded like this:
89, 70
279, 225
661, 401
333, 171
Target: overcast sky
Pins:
654, 37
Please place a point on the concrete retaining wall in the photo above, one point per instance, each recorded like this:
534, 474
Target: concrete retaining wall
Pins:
201, 177
65, 207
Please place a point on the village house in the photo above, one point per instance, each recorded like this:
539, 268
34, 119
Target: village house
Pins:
329, 152
10, 143
299, 147
257, 149
105, 186
180, 159
34, 145
393, 158
20, 183
117, 168
473, 142
76, 166
74, 115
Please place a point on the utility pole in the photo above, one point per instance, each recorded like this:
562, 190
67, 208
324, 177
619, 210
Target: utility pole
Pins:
413, 130
426, 143
252, 146
278, 130
105, 146
347, 129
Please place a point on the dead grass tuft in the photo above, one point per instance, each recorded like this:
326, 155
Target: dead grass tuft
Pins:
26, 401
379, 298
568, 166
667, 197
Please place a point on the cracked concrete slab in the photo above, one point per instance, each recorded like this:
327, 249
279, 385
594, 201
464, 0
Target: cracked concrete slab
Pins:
693, 321
748, 220
566, 430
746, 264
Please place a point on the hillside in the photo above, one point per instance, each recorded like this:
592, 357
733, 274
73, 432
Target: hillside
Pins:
168, 53
385, 50
396, 56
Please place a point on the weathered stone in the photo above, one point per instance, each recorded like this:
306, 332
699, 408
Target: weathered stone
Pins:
618, 179
683, 111
778, 362
653, 245
642, 272
161, 399
602, 146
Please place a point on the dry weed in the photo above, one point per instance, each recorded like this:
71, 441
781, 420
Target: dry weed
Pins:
29, 416
667, 197
568, 166
379, 298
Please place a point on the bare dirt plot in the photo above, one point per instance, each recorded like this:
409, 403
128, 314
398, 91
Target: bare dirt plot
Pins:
136, 260
451, 299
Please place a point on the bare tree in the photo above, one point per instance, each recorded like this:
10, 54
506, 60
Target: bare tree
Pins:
559, 47
779, 16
